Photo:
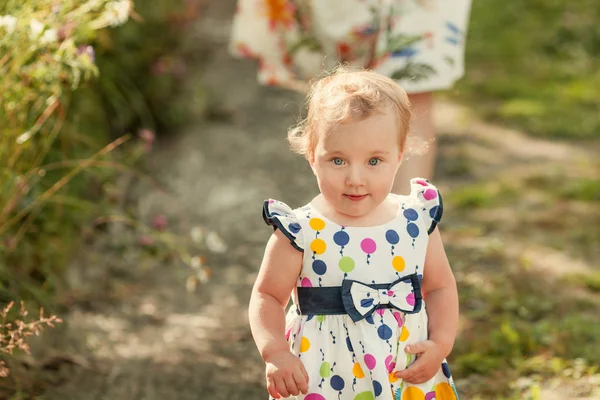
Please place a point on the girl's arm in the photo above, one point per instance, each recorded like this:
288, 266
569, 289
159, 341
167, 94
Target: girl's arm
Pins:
276, 279
439, 291
440, 294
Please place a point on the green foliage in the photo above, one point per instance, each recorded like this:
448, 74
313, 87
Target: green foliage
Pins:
68, 85
45, 57
481, 196
519, 324
143, 75
471, 197
591, 280
582, 189
533, 64
528, 318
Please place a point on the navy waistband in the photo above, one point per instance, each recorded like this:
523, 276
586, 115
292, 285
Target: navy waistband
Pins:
326, 300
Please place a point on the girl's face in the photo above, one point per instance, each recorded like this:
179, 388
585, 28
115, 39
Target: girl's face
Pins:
355, 165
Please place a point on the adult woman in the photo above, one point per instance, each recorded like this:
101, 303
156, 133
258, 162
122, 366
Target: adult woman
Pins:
419, 43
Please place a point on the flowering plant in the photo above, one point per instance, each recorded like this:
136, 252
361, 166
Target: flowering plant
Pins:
43, 58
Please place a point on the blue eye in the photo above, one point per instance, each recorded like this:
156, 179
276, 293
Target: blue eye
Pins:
374, 161
337, 161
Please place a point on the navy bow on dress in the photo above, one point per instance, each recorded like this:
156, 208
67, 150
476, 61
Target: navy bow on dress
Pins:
362, 299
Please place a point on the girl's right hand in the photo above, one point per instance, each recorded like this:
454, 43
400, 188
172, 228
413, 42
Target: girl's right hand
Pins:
286, 375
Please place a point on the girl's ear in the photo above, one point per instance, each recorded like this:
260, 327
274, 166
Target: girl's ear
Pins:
400, 158
310, 156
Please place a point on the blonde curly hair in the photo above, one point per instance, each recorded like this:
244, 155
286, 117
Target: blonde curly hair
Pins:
346, 95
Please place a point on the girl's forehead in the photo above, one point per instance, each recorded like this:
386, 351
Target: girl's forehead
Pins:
374, 130
359, 143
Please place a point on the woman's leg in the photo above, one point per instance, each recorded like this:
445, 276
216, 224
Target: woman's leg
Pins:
423, 130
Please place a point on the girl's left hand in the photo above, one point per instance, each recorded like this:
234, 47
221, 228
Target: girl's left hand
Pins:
429, 360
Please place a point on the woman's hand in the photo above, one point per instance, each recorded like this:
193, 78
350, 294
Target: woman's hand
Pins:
286, 375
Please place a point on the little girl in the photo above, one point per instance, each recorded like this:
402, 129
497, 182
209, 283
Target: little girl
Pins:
358, 261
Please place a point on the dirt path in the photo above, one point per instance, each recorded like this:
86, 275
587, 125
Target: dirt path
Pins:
146, 337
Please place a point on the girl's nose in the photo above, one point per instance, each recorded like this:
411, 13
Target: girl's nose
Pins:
355, 177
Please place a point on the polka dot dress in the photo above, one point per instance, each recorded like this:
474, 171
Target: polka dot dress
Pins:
349, 360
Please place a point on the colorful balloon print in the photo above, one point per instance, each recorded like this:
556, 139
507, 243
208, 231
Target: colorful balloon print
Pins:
318, 246
325, 370
443, 391
384, 332
410, 299
314, 396
370, 361
319, 267
341, 238
411, 214
304, 344
337, 383
377, 388
433, 212
388, 360
430, 194
398, 263
317, 224
398, 317
294, 227
358, 371
404, 335
366, 303
389, 364
349, 345
368, 246
346, 264
413, 393
365, 396
413, 230
392, 237
446, 370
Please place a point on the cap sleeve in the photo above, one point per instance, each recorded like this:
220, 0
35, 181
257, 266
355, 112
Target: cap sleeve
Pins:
282, 217
430, 200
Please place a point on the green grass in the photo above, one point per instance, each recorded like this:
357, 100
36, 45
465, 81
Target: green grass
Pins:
582, 189
483, 195
519, 323
526, 321
590, 281
533, 64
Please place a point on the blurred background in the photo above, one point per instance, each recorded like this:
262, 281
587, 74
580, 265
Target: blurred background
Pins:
135, 154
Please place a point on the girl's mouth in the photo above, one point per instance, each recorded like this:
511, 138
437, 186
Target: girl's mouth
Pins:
355, 197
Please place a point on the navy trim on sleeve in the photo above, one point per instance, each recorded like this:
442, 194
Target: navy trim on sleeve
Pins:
276, 224
438, 215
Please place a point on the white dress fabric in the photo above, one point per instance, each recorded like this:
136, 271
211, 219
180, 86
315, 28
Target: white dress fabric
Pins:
348, 360
420, 43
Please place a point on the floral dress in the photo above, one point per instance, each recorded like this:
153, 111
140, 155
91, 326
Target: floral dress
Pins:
420, 43
354, 357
